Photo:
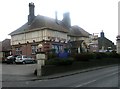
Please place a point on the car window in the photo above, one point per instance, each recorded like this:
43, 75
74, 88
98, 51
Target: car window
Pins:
29, 57
15, 55
19, 56
24, 56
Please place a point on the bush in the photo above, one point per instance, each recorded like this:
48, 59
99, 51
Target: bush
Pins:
51, 55
114, 55
60, 61
66, 49
99, 55
84, 57
95, 56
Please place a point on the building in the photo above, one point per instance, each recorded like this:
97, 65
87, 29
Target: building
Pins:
5, 48
93, 45
105, 44
48, 33
78, 39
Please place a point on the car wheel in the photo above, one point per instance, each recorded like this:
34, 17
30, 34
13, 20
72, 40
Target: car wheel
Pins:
8, 63
23, 62
33, 62
13, 62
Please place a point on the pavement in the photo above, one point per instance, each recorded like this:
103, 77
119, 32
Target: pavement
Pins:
32, 77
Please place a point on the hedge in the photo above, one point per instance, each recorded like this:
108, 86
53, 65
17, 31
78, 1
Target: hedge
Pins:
96, 56
59, 61
83, 57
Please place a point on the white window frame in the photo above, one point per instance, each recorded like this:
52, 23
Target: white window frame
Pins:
34, 49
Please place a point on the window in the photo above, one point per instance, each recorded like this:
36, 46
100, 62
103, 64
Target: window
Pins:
34, 49
60, 47
18, 51
19, 56
57, 47
24, 56
53, 46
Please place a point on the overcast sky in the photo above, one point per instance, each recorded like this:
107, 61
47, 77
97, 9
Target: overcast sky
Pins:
92, 15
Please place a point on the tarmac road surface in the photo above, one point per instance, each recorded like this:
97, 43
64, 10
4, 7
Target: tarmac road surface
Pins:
106, 77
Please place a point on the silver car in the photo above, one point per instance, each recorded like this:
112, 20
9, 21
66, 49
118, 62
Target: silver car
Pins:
24, 59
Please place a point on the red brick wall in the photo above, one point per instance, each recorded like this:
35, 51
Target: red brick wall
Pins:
27, 50
46, 46
23, 49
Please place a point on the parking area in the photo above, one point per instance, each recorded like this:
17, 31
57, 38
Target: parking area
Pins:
12, 72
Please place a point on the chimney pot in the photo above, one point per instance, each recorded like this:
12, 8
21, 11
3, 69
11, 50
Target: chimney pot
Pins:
66, 19
56, 18
31, 13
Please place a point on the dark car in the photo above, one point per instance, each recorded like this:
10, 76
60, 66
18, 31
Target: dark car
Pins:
11, 59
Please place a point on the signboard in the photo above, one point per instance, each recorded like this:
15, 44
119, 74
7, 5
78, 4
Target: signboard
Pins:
40, 56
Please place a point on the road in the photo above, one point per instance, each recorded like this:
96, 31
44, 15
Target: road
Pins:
107, 77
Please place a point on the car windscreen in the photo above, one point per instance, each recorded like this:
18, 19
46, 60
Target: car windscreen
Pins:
19, 56
29, 57
24, 56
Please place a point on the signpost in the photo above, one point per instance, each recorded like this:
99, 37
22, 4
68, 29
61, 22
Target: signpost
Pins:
40, 56
40, 62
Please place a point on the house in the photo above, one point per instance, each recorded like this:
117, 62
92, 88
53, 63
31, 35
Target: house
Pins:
78, 39
93, 45
48, 33
105, 44
5, 48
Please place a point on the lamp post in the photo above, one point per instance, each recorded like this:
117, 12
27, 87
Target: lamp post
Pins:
40, 47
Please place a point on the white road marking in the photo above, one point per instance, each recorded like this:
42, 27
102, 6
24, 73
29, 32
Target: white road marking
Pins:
83, 84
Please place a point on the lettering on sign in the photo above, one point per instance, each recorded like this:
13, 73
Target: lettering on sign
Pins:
40, 56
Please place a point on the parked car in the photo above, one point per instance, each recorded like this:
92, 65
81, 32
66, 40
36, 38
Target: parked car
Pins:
11, 59
24, 59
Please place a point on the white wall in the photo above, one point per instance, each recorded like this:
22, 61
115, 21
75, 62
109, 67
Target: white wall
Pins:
72, 38
51, 33
38, 35
23, 38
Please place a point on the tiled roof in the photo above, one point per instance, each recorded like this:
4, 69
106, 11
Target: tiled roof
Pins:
78, 31
103, 41
76, 44
41, 22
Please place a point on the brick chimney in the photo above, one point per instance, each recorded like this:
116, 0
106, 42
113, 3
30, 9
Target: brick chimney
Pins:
31, 15
66, 19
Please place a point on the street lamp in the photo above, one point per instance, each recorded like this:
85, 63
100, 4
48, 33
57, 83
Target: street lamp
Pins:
40, 47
